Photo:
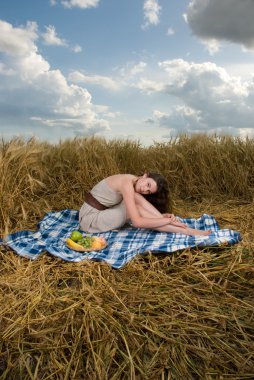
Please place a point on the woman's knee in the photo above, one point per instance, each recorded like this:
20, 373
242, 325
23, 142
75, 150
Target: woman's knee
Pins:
139, 199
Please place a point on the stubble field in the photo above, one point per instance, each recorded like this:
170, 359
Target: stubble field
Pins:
187, 315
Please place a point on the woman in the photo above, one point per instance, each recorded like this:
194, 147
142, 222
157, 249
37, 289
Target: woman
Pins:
141, 200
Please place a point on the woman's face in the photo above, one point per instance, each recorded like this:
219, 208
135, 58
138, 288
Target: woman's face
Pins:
145, 185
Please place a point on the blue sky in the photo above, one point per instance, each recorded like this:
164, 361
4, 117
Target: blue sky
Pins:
126, 69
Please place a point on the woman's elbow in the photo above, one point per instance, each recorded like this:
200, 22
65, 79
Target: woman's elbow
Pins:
137, 223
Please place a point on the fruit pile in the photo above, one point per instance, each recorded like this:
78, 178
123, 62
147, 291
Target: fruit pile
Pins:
85, 243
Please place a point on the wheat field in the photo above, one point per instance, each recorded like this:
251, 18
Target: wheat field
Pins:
187, 315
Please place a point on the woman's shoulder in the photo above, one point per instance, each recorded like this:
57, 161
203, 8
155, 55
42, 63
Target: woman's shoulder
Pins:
117, 181
121, 177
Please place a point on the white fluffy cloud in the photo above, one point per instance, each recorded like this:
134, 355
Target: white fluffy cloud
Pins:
210, 99
215, 20
99, 80
17, 41
152, 11
35, 92
80, 3
125, 77
50, 37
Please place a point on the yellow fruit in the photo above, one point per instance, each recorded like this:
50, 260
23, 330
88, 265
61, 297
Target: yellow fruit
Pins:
73, 245
103, 241
96, 244
100, 240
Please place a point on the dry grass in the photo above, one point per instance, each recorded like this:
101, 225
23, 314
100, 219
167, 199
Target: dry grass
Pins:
189, 315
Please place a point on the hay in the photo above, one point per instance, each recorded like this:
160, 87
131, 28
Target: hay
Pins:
188, 315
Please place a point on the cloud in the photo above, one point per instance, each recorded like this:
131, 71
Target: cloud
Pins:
50, 37
4, 70
131, 69
125, 77
216, 20
138, 68
170, 32
150, 86
180, 119
31, 91
80, 3
212, 45
103, 81
209, 98
77, 49
17, 41
152, 11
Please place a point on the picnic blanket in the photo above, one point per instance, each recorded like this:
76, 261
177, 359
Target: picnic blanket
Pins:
123, 244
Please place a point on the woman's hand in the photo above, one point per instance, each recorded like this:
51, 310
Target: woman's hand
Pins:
174, 220
172, 217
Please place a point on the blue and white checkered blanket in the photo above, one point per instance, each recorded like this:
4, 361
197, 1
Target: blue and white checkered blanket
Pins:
123, 244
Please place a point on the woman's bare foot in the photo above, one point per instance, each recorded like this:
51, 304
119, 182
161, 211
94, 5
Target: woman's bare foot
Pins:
183, 230
192, 231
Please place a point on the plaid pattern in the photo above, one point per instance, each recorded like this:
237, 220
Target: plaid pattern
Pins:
123, 244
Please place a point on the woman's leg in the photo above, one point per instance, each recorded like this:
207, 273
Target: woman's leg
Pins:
181, 230
147, 210
146, 207
93, 221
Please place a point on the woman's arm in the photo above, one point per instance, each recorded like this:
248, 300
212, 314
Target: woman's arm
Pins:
146, 209
175, 220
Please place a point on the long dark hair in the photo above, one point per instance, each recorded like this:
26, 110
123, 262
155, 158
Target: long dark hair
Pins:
160, 199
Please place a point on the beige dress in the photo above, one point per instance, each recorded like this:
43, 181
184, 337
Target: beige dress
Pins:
93, 220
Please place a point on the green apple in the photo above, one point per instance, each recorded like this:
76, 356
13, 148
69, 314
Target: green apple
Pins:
76, 236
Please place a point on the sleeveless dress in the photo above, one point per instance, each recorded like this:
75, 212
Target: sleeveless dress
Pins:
92, 220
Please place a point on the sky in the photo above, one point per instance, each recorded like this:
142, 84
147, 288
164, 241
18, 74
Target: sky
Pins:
146, 70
